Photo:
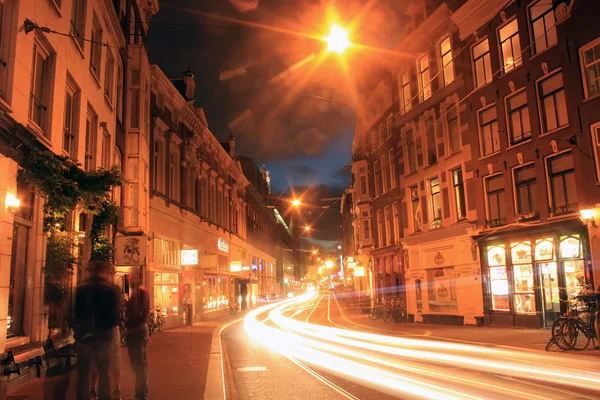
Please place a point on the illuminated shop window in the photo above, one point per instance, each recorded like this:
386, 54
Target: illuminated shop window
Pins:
523, 276
544, 249
496, 256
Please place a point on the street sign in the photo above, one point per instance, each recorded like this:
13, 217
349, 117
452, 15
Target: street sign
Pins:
359, 271
130, 250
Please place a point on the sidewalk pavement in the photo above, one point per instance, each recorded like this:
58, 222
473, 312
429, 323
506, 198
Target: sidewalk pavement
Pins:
184, 363
494, 336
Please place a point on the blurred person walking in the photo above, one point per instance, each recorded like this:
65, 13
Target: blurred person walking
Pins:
137, 311
97, 306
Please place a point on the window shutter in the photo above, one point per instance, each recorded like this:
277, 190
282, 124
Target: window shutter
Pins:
404, 209
424, 209
471, 195
446, 202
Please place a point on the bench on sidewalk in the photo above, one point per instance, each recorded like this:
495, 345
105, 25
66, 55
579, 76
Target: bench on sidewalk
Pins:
60, 347
30, 355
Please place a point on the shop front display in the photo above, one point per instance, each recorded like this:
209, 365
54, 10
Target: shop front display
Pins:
528, 281
166, 296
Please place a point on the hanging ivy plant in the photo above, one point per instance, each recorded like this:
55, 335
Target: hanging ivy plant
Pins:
64, 185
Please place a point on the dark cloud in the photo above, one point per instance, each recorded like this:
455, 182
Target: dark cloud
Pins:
303, 170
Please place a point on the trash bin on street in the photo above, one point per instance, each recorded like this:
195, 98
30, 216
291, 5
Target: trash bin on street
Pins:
479, 321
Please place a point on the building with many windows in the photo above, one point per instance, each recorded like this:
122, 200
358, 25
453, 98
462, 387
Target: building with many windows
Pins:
197, 208
436, 199
61, 89
533, 75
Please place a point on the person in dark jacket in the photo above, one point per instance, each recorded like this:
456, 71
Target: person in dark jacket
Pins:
137, 311
97, 305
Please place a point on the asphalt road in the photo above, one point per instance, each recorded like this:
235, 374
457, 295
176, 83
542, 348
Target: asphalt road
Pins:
306, 348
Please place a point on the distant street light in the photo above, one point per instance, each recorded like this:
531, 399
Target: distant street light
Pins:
314, 252
337, 41
329, 264
296, 203
307, 228
339, 246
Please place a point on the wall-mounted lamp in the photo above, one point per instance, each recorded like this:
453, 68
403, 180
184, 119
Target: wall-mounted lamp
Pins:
12, 202
588, 216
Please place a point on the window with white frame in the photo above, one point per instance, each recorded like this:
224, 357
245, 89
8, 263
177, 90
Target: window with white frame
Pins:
517, 113
78, 22
553, 102
595, 130
71, 120
392, 169
39, 97
454, 140
389, 239
458, 187
436, 202
424, 78
385, 173
396, 222
380, 238
91, 136
432, 156
561, 176
109, 77
590, 64
105, 153
166, 252
495, 200
363, 185
366, 229
525, 190
174, 171
542, 25
96, 47
482, 64
411, 148
405, 91
488, 131
446, 61
377, 175
510, 46
415, 208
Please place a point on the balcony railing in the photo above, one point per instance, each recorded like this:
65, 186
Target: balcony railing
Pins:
493, 223
564, 209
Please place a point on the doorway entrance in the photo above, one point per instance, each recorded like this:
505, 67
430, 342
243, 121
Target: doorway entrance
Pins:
550, 291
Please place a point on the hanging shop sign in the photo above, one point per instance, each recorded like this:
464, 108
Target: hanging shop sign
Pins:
189, 257
130, 250
246, 268
235, 266
223, 245
359, 271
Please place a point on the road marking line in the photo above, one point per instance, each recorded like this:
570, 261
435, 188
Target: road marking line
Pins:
326, 381
252, 369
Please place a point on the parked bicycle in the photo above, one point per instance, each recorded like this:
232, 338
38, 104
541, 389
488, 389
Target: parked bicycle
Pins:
155, 321
395, 311
234, 307
576, 328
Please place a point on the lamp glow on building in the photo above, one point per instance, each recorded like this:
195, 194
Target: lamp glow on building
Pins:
12, 202
588, 215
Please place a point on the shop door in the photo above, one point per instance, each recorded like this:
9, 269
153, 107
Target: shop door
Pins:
550, 291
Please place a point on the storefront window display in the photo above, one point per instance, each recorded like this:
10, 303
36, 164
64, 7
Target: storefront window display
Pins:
540, 272
215, 292
166, 292
498, 277
523, 276
442, 289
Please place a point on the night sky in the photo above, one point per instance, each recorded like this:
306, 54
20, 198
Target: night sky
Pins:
263, 74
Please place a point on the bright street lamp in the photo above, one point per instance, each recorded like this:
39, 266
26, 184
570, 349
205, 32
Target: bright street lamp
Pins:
337, 41
314, 252
329, 264
339, 246
307, 228
296, 203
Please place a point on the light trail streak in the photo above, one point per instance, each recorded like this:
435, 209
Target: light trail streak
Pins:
419, 368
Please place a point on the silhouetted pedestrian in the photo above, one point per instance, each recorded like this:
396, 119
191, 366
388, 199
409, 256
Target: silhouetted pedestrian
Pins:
136, 328
97, 306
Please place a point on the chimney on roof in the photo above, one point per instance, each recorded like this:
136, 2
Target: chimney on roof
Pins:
231, 142
190, 84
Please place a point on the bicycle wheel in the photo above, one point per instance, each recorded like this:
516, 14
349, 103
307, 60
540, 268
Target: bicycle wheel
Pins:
387, 317
558, 331
577, 334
